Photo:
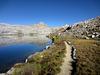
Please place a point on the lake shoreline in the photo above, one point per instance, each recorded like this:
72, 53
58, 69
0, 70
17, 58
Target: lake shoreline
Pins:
30, 56
25, 61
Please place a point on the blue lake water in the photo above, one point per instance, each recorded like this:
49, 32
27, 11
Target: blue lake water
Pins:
17, 50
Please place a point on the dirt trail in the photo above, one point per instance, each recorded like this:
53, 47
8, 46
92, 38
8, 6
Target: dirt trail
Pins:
66, 65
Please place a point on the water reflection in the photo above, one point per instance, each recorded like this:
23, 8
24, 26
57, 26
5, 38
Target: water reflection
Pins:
15, 49
7, 40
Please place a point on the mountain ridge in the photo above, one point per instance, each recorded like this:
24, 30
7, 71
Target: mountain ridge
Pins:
85, 29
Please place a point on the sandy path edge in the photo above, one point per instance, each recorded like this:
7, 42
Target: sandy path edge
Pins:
66, 65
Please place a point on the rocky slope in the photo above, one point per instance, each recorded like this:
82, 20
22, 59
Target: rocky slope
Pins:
86, 29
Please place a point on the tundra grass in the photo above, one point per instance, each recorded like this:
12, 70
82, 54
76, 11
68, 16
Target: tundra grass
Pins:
47, 62
88, 56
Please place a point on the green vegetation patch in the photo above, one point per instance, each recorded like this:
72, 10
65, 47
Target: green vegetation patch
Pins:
27, 69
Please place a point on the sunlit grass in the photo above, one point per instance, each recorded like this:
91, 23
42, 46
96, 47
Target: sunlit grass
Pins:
47, 62
87, 53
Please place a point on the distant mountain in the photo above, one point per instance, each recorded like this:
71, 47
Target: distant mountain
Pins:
40, 28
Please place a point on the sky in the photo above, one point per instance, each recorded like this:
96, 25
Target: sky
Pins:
51, 12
